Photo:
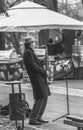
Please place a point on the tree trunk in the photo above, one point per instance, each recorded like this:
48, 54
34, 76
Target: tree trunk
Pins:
15, 39
82, 1
2, 9
2, 44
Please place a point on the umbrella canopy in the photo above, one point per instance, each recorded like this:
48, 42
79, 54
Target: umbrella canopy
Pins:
31, 16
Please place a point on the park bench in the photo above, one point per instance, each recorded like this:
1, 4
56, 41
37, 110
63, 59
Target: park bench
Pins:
75, 121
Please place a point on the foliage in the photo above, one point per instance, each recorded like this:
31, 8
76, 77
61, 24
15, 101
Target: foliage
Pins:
50, 4
69, 9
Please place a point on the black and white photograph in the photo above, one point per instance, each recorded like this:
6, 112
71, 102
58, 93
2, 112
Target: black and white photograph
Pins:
41, 64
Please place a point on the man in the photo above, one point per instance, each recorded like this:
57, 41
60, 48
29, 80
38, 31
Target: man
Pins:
38, 78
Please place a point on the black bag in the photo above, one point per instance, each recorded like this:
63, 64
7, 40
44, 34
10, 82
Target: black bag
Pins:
5, 109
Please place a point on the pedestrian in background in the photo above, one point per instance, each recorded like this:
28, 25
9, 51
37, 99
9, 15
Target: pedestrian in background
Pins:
38, 78
51, 47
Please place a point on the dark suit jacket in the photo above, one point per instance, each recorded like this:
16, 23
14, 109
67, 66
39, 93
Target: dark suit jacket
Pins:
36, 73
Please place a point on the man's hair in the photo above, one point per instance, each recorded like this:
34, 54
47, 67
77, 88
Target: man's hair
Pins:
50, 41
28, 41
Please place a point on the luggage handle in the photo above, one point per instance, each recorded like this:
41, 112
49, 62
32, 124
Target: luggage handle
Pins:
18, 86
12, 83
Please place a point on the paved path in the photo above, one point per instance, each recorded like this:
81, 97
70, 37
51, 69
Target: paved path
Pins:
75, 88
57, 105
62, 90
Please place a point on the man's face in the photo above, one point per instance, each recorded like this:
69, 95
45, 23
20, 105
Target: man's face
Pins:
33, 44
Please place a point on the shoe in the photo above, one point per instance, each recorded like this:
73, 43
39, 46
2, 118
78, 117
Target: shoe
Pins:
42, 121
34, 123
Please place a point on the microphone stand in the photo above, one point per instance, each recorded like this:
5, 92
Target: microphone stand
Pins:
67, 97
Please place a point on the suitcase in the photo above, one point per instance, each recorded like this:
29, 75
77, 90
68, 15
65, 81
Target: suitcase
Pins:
16, 104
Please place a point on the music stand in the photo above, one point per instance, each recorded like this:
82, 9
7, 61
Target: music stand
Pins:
67, 97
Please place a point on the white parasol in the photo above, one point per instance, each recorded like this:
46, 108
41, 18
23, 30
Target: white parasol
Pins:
31, 16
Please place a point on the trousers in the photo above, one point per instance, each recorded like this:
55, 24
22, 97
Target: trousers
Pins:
38, 108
